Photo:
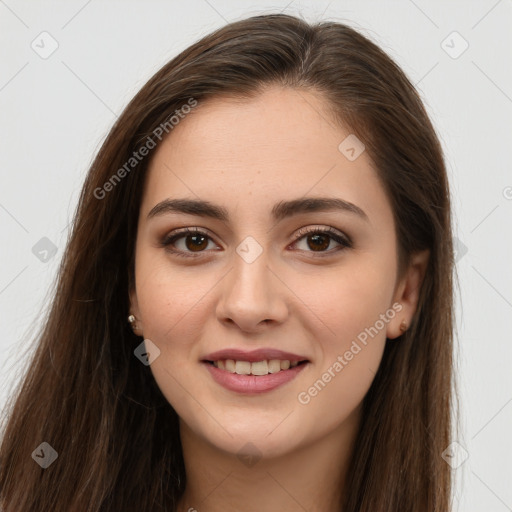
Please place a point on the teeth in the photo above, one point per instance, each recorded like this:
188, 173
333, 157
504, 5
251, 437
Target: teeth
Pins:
285, 364
230, 365
243, 367
256, 368
274, 366
260, 368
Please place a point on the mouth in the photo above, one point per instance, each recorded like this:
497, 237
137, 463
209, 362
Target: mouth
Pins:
254, 371
238, 376
252, 378
255, 368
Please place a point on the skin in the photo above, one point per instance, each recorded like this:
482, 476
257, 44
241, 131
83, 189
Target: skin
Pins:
247, 155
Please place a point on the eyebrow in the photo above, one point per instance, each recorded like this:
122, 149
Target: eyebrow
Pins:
280, 211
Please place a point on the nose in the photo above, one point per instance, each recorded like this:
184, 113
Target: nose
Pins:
252, 296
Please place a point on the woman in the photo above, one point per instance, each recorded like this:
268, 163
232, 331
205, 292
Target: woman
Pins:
254, 310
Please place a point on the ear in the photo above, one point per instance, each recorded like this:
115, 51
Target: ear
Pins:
135, 311
407, 292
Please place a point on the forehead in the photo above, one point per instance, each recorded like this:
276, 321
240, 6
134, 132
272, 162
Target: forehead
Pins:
282, 144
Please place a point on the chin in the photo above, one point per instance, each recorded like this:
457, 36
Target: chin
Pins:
245, 438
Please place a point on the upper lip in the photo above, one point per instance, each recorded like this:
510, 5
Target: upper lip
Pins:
253, 356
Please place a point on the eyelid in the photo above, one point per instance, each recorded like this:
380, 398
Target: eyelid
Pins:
170, 238
329, 230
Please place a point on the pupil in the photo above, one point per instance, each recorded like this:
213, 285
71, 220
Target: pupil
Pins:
195, 245
316, 238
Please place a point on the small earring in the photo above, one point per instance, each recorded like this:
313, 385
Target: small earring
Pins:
403, 326
131, 319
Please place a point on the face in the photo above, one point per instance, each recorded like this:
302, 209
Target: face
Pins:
320, 283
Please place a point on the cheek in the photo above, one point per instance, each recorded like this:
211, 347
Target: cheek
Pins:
169, 296
347, 299
354, 303
173, 306
357, 311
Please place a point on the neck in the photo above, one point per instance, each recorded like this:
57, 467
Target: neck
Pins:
311, 477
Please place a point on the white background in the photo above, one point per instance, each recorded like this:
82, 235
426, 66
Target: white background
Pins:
55, 113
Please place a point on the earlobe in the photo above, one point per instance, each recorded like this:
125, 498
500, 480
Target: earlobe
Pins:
133, 316
407, 294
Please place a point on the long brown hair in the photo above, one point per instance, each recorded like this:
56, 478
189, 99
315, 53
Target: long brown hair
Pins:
91, 399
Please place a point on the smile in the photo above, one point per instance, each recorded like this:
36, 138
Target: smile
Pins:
238, 376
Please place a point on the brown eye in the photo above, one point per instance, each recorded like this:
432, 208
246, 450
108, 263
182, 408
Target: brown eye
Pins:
195, 241
318, 240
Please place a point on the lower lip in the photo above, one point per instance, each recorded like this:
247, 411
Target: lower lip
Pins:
250, 384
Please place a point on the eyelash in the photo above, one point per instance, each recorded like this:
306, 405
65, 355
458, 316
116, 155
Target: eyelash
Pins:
343, 240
